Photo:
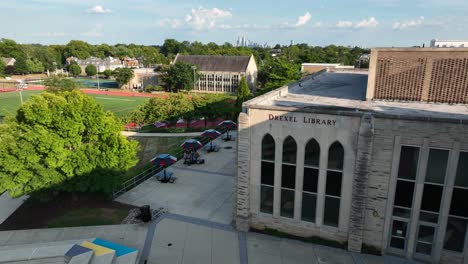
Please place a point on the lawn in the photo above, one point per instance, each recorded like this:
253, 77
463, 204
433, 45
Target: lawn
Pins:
119, 105
67, 210
89, 217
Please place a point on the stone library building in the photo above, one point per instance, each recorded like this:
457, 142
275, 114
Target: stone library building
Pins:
375, 160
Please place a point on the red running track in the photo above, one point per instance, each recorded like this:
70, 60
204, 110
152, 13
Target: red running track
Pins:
92, 91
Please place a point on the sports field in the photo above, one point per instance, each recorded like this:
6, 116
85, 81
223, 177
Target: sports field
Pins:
119, 105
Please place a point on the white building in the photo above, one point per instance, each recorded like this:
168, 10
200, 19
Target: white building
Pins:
439, 43
221, 74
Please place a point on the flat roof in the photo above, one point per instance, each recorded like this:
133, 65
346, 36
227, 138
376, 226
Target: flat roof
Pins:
344, 93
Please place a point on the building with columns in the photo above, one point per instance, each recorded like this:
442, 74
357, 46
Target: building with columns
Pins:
377, 159
221, 74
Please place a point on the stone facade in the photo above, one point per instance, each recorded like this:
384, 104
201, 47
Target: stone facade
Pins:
371, 146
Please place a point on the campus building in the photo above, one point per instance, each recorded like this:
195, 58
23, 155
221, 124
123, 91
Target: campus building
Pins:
221, 74
377, 159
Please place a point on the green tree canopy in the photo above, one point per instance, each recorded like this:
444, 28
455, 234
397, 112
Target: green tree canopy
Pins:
243, 92
58, 84
179, 76
74, 69
91, 70
21, 66
108, 73
2, 66
34, 66
123, 75
62, 142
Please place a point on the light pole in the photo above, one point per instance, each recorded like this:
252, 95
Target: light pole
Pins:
97, 76
194, 68
19, 87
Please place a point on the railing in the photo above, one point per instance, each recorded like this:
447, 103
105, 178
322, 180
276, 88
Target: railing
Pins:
150, 172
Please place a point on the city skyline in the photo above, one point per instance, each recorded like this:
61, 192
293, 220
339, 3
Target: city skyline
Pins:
365, 23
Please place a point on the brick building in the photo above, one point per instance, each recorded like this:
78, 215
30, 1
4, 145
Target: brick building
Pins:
369, 160
222, 74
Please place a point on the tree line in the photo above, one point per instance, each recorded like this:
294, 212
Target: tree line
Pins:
272, 70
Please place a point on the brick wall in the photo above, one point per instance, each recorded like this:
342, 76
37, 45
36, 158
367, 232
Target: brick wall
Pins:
416, 74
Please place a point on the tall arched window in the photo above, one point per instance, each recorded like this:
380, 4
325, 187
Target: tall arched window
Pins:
267, 178
310, 184
333, 184
288, 177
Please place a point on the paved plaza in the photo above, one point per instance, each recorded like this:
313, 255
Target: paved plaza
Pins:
203, 191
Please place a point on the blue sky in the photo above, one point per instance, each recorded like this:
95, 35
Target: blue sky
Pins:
367, 23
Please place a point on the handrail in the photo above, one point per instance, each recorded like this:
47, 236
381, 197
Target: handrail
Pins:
150, 172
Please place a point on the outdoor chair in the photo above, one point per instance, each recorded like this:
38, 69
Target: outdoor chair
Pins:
228, 137
211, 148
166, 178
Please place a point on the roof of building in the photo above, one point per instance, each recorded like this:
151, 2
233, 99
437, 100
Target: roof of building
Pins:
8, 61
216, 62
344, 93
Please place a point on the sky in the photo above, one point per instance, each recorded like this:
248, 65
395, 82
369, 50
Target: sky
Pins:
365, 23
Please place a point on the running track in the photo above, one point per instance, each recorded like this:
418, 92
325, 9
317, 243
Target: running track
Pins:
92, 91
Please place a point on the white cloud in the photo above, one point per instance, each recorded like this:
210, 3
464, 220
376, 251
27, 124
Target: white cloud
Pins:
98, 10
371, 22
203, 18
344, 24
173, 23
302, 20
408, 24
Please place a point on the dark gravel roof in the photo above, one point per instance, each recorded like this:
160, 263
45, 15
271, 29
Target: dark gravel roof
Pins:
216, 62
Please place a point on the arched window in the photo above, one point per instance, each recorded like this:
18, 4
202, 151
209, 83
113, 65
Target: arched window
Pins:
310, 184
333, 184
288, 177
267, 178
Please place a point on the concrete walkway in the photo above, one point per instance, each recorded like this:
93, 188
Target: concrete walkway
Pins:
204, 191
9, 205
136, 134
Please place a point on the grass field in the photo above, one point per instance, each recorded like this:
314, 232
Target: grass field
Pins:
119, 105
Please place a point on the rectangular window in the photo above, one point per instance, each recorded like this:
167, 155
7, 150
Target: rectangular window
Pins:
309, 202
462, 170
437, 165
288, 176
333, 183
332, 211
404, 192
459, 206
310, 180
455, 234
268, 173
408, 162
287, 203
266, 199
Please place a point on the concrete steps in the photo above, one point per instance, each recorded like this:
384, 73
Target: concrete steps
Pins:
88, 251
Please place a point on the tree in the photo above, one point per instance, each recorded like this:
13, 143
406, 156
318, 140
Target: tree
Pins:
34, 66
123, 75
74, 69
63, 142
2, 67
179, 76
243, 92
91, 70
57, 84
108, 73
20, 65
79, 49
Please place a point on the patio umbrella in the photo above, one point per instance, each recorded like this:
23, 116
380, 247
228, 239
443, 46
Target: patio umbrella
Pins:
228, 124
164, 160
211, 134
192, 144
